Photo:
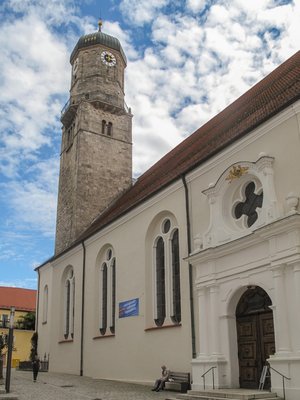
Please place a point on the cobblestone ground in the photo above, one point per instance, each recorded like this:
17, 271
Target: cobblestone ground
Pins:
51, 386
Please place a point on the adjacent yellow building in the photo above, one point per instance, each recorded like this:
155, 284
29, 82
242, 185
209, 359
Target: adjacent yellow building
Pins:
24, 302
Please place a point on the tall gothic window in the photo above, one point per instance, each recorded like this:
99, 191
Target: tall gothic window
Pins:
113, 295
45, 304
160, 283
103, 322
176, 306
167, 297
107, 294
69, 299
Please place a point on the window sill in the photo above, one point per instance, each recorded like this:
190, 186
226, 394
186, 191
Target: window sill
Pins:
154, 328
103, 337
66, 341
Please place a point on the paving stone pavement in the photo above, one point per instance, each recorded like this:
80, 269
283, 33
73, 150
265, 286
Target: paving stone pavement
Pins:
53, 386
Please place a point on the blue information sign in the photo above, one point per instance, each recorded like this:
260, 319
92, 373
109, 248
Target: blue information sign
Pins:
129, 308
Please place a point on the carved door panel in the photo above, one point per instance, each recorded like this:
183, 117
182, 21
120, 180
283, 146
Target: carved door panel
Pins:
255, 333
247, 350
267, 340
255, 344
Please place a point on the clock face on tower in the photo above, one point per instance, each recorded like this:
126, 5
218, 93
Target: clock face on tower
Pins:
108, 58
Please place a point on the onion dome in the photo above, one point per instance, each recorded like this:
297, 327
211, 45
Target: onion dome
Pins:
98, 38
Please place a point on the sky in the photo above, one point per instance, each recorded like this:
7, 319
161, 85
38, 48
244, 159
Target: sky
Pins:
187, 60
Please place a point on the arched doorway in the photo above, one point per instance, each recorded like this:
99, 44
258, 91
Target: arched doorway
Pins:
255, 335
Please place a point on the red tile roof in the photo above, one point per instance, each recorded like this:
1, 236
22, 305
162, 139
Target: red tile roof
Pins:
271, 95
268, 97
21, 299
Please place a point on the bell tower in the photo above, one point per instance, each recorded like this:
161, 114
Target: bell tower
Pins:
96, 149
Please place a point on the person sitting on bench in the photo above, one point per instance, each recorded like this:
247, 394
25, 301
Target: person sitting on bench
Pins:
160, 383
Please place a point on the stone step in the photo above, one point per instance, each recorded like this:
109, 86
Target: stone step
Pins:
209, 397
9, 396
242, 394
225, 394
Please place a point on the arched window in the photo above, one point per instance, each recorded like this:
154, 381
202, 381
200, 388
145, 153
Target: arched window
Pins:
176, 297
113, 296
103, 321
160, 283
45, 304
69, 297
166, 274
103, 127
107, 293
109, 129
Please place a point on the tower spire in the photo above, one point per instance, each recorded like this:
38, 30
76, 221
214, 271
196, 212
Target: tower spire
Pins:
100, 23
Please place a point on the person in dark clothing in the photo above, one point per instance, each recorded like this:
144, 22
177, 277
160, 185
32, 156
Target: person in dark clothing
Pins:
35, 367
160, 383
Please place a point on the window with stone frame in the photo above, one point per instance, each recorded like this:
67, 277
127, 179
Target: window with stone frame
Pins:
103, 128
45, 305
109, 129
176, 295
107, 293
70, 135
103, 322
4, 321
251, 202
242, 200
69, 304
167, 293
160, 283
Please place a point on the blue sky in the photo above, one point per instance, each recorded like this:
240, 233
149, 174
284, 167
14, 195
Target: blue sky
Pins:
187, 60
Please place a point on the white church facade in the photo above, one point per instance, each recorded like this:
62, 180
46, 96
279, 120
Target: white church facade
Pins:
196, 264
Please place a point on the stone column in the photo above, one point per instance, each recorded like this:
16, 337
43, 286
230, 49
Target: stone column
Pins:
214, 318
281, 321
296, 271
203, 322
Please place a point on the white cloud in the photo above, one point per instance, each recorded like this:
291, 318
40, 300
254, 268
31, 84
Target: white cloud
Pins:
114, 29
196, 5
54, 12
196, 66
190, 67
33, 77
33, 201
140, 12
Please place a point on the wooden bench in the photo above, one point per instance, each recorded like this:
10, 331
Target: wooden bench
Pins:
179, 381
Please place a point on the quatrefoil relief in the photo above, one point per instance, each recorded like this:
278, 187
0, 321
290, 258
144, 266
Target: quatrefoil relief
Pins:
249, 205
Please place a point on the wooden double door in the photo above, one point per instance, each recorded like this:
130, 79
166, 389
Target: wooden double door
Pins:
255, 333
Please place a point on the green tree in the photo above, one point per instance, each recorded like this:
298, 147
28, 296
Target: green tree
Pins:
26, 321
34, 346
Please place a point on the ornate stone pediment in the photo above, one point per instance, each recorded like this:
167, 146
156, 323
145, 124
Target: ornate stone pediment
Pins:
242, 200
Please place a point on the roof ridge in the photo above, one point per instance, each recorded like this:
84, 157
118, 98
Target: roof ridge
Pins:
266, 98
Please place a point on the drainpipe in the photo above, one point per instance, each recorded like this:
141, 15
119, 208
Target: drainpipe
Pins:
82, 309
188, 233
37, 303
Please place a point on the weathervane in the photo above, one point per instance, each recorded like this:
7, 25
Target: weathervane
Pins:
100, 23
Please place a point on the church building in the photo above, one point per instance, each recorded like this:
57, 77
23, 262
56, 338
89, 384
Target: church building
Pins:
194, 265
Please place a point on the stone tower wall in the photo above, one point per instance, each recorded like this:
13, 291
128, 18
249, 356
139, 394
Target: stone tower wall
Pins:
97, 79
96, 164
